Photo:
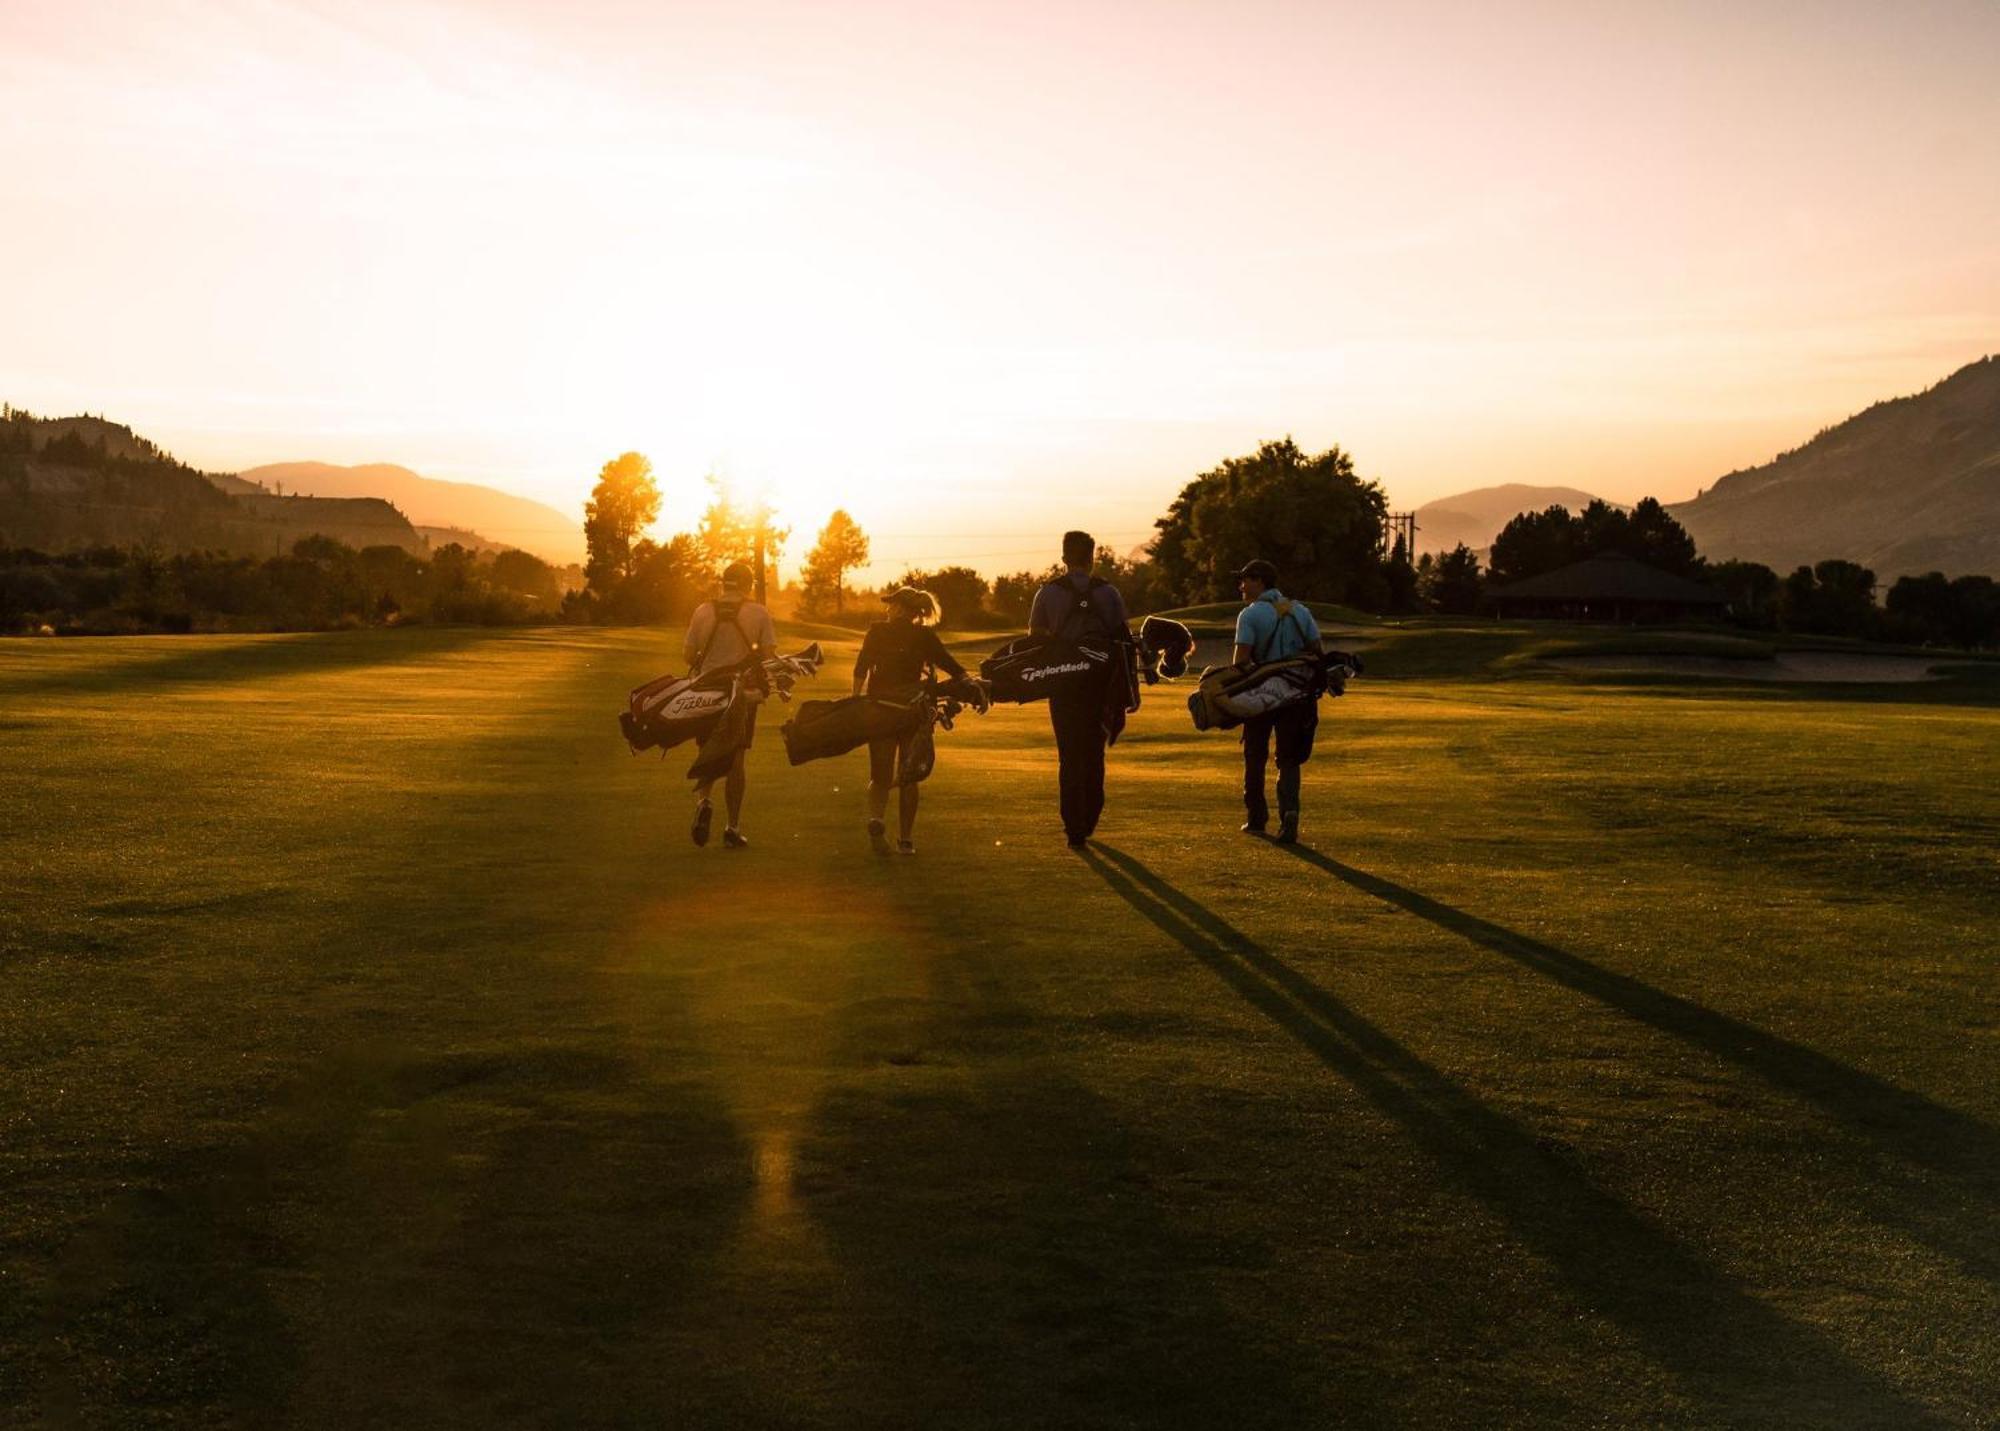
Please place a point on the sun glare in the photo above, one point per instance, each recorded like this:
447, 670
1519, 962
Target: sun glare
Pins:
784, 252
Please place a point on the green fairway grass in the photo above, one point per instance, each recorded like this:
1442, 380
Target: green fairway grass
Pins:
377, 1050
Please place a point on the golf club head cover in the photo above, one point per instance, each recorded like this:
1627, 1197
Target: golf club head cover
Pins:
1167, 644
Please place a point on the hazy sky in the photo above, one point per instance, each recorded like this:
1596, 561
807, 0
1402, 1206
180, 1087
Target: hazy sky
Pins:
978, 272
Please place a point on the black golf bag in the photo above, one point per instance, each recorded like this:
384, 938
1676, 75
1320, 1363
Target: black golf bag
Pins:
827, 728
822, 729
1033, 668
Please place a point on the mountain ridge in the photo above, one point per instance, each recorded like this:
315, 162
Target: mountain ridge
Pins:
1908, 485
1474, 518
74, 482
501, 518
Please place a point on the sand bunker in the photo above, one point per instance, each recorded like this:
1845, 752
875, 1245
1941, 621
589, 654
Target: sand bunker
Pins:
1819, 667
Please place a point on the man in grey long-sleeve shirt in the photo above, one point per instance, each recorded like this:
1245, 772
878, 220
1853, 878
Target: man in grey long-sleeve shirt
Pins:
727, 633
1074, 605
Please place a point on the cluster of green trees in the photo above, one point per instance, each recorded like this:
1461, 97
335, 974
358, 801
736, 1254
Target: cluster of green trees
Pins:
1838, 598
320, 584
1537, 542
842, 546
633, 579
1450, 583
1828, 598
1311, 515
1321, 524
630, 578
1936, 610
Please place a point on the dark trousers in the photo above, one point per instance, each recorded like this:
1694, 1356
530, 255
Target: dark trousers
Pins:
1078, 718
1293, 729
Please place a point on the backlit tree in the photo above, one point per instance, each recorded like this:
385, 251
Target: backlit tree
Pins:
842, 546
624, 503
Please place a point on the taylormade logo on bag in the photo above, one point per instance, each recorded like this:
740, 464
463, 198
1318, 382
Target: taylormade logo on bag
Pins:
1035, 673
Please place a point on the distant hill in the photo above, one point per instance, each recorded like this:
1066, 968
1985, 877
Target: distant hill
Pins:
500, 518
77, 482
459, 536
1909, 486
1475, 518
112, 439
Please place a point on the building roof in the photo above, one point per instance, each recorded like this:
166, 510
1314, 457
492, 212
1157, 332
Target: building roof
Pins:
1610, 576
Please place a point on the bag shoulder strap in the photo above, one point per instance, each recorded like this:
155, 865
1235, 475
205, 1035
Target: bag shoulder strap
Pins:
1079, 602
735, 613
1285, 613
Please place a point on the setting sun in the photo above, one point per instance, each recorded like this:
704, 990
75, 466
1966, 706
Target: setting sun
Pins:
969, 257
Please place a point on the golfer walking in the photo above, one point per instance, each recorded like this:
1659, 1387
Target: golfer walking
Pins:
1074, 605
897, 654
728, 632
1269, 628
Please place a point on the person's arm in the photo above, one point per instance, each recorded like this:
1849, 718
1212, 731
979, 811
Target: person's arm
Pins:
1039, 623
767, 634
941, 658
699, 626
1313, 640
1246, 637
865, 661
1112, 612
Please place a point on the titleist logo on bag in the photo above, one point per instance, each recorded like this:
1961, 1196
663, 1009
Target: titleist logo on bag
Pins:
691, 703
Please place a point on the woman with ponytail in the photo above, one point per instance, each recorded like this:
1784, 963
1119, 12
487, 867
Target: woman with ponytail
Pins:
897, 654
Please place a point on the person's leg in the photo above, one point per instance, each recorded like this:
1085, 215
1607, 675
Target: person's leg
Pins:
881, 776
704, 813
1060, 717
1081, 738
1092, 794
1295, 732
733, 792
1256, 753
908, 810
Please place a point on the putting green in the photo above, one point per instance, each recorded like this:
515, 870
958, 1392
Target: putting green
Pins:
375, 1049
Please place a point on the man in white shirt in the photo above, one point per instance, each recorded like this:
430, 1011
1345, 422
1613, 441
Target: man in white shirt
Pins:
730, 631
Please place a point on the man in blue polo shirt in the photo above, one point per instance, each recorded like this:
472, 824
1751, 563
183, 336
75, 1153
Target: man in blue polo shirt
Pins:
1269, 628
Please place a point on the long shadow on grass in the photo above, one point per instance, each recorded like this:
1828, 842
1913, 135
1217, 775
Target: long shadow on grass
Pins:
559, 1273
398, 1229
1007, 1262
1915, 1128
373, 1255
1729, 1349
262, 658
